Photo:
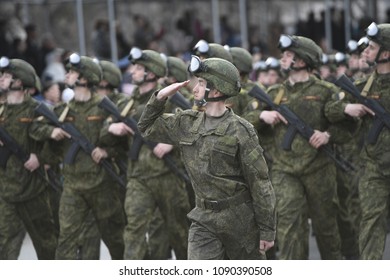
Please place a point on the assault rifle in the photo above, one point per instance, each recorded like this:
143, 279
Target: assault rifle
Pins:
11, 146
382, 116
297, 125
79, 142
110, 107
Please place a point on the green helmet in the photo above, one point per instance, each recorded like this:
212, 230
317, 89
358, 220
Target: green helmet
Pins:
380, 34
304, 47
111, 73
242, 59
204, 49
21, 70
86, 66
152, 61
177, 68
220, 73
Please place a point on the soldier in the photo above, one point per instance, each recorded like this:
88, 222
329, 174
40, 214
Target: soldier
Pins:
303, 177
261, 73
274, 75
327, 68
207, 50
24, 194
87, 185
374, 188
151, 184
234, 215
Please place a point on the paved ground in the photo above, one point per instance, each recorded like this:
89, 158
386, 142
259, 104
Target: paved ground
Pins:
28, 252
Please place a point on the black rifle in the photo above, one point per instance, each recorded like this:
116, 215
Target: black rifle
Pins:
11, 146
179, 100
382, 116
110, 107
297, 125
79, 142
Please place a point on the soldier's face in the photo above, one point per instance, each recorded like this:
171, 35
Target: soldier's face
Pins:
370, 53
200, 89
137, 72
287, 59
5, 80
71, 77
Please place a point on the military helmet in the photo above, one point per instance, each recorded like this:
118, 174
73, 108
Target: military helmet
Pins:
340, 59
272, 63
177, 68
86, 66
362, 44
304, 47
242, 59
220, 73
380, 34
111, 73
21, 70
152, 61
208, 50
260, 66
352, 47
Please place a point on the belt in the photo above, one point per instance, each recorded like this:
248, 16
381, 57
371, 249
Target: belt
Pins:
217, 205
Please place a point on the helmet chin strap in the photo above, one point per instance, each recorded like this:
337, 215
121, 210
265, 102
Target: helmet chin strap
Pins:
14, 88
380, 61
213, 99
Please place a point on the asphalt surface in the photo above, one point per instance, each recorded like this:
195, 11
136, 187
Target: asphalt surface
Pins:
28, 252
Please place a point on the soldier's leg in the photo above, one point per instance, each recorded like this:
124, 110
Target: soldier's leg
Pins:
89, 244
139, 207
204, 244
12, 231
292, 231
37, 217
174, 205
158, 238
72, 214
348, 231
323, 206
110, 218
374, 191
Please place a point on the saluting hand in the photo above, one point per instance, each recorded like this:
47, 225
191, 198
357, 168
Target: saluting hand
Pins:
171, 90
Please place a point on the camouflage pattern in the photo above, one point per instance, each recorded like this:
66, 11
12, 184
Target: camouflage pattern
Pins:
87, 186
307, 50
304, 178
242, 59
22, 70
152, 184
24, 194
111, 73
87, 68
374, 184
222, 75
152, 61
177, 68
383, 37
214, 50
239, 103
12, 232
223, 162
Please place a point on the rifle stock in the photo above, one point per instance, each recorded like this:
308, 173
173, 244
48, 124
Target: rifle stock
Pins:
382, 116
297, 125
108, 105
79, 142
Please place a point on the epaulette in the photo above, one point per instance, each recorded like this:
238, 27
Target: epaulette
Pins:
191, 113
247, 125
361, 81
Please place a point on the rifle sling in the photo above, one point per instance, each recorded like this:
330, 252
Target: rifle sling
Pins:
63, 114
368, 85
279, 96
127, 108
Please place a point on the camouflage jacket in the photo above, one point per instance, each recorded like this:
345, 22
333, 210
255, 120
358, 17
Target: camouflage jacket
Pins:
88, 118
221, 162
378, 153
16, 182
315, 102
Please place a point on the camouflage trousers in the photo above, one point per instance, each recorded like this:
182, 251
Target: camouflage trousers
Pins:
296, 197
143, 197
230, 233
374, 192
76, 206
34, 215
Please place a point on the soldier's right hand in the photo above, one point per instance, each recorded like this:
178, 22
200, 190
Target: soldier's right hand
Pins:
120, 129
59, 134
272, 117
357, 110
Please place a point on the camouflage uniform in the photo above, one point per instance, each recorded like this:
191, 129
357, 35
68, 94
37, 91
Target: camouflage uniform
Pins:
24, 193
234, 197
